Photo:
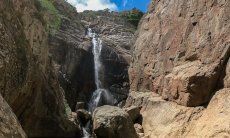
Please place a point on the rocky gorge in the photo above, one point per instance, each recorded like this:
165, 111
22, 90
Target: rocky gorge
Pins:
168, 76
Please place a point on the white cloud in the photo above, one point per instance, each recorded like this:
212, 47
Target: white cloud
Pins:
95, 5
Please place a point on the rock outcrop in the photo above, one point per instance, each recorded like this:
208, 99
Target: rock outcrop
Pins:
71, 50
168, 119
112, 122
9, 124
179, 72
117, 37
182, 49
28, 81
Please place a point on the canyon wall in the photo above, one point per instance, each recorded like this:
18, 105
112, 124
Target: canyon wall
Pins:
117, 36
179, 72
28, 81
46, 64
182, 49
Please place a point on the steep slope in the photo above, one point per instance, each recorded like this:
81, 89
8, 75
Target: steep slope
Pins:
29, 83
179, 72
9, 125
71, 49
117, 36
182, 49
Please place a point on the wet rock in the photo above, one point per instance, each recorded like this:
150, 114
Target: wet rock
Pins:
83, 116
112, 122
117, 36
80, 105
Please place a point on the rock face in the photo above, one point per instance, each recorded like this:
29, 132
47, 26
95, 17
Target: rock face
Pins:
116, 35
182, 49
168, 119
9, 125
28, 81
112, 122
214, 121
179, 72
71, 51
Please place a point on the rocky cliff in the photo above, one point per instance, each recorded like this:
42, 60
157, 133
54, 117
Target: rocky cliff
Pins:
179, 69
71, 49
117, 36
182, 50
28, 81
46, 64
178, 73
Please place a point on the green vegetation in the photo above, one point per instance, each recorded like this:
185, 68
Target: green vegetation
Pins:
67, 108
133, 16
53, 19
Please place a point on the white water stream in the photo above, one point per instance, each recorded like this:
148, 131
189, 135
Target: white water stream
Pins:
100, 96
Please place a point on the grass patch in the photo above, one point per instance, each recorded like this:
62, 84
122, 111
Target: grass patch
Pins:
53, 18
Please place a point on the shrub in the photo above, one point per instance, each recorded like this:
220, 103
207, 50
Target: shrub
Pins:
133, 16
53, 22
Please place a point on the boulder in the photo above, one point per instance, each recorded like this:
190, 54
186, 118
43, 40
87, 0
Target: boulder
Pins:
112, 122
80, 105
134, 112
83, 116
138, 128
167, 119
214, 121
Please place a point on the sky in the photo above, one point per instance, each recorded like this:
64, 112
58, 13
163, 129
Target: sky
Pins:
114, 5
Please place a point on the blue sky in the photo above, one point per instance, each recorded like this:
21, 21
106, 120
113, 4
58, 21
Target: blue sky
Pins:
129, 4
115, 5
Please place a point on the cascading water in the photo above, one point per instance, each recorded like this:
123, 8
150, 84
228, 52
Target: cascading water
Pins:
100, 96
97, 46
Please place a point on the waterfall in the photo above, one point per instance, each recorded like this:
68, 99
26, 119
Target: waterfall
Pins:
100, 96
97, 46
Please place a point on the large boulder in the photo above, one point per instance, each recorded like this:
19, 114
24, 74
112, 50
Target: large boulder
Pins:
167, 119
214, 121
112, 122
181, 50
162, 118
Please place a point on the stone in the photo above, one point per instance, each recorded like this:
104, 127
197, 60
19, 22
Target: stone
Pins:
83, 116
28, 82
71, 50
167, 119
134, 112
177, 55
214, 122
112, 122
9, 124
117, 36
138, 128
80, 105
